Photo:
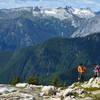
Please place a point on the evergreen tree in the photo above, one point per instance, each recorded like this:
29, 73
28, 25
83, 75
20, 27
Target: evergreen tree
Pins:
15, 80
33, 80
55, 81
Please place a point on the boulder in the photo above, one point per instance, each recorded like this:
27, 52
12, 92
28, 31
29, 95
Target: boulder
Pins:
70, 98
72, 93
59, 94
59, 89
4, 90
48, 90
42, 94
34, 86
68, 92
22, 85
81, 91
74, 85
18, 96
95, 83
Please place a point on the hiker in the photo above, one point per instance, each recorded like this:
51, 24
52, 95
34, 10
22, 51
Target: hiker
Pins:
81, 69
96, 70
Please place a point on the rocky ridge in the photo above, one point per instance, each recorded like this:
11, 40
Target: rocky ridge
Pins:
89, 90
89, 26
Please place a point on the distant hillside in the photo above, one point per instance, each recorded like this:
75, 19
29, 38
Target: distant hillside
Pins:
56, 57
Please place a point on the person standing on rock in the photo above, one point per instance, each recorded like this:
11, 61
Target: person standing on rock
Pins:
81, 70
96, 70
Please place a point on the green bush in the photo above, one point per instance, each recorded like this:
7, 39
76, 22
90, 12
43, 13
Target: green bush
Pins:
55, 82
64, 84
33, 80
15, 80
92, 89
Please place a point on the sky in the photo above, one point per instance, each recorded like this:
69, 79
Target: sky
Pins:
93, 4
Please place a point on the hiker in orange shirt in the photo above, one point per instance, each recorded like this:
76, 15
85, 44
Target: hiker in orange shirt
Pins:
81, 70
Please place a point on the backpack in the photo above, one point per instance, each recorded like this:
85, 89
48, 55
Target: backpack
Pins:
99, 69
82, 69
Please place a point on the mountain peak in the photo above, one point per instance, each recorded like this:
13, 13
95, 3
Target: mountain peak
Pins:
61, 13
83, 13
36, 9
64, 13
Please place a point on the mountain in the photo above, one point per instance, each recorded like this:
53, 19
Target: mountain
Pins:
89, 26
58, 57
22, 27
98, 13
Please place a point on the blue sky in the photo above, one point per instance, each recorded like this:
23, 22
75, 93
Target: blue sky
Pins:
93, 4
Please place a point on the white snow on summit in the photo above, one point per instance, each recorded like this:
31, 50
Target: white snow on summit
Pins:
57, 13
50, 12
61, 13
83, 13
64, 13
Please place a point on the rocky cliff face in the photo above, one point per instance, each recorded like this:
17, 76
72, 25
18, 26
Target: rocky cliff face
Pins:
89, 90
89, 26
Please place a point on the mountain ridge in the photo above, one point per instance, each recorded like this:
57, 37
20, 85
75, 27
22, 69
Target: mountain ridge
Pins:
29, 26
52, 58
